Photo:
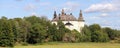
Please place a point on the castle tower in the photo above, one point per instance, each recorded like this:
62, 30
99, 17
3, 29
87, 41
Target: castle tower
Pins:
63, 12
69, 20
70, 13
55, 15
80, 16
81, 21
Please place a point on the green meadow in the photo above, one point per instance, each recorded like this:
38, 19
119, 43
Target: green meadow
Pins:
72, 45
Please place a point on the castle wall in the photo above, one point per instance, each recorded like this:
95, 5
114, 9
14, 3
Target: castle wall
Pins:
81, 24
75, 25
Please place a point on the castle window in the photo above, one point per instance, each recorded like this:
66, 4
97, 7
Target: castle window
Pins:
68, 24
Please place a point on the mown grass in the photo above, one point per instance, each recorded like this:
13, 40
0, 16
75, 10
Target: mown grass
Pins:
72, 45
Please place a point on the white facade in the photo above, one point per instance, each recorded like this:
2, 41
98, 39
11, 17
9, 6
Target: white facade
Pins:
77, 25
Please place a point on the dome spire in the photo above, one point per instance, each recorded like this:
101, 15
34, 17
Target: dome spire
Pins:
55, 15
63, 12
80, 16
81, 13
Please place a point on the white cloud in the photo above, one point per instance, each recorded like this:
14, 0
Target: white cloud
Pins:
100, 17
54, 8
109, 6
106, 22
94, 17
30, 7
70, 6
67, 9
34, 13
113, 26
104, 15
117, 3
103, 7
34, 7
118, 14
44, 3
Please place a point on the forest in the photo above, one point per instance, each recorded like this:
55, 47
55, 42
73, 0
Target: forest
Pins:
36, 30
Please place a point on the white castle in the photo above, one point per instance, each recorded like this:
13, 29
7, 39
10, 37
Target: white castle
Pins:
69, 20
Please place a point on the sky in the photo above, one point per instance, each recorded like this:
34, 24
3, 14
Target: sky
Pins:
103, 12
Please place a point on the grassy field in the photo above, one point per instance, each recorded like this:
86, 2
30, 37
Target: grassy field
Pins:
72, 45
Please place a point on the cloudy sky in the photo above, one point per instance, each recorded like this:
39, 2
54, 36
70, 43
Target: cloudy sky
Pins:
103, 12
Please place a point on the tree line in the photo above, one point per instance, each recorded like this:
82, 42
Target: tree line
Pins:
33, 30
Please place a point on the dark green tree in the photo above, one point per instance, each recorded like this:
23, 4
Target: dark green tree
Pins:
6, 33
52, 32
20, 29
85, 34
61, 28
97, 35
111, 33
37, 34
